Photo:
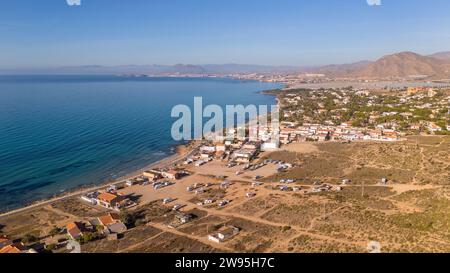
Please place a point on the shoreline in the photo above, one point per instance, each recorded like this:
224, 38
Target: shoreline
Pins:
163, 163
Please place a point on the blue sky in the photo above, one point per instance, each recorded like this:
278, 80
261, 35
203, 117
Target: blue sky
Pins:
274, 32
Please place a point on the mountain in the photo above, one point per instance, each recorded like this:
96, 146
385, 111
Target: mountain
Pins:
184, 69
403, 65
445, 56
342, 69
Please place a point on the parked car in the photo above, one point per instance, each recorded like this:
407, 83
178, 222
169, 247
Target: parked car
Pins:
167, 200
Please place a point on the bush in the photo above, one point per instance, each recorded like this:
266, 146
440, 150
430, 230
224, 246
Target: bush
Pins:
29, 238
286, 228
50, 247
89, 237
128, 219
55, 231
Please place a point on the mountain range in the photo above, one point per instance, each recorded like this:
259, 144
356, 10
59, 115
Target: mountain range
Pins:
404, 64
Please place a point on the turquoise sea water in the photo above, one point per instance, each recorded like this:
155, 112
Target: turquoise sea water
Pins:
61, 132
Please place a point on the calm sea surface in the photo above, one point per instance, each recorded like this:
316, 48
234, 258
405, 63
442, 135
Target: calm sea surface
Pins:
60, 132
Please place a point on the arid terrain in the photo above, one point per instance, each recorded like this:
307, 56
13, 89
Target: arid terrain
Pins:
411, 213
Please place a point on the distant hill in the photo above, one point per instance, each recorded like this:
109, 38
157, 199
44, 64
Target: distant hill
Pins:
184, 69
342, 69
441, 56
404, 65
248, 68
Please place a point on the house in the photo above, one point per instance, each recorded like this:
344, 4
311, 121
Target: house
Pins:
131, 183
223, 234
207, 155
75, 230
108, 219
221, 147
116, 228
270, 146
252, 145
208, 149
243, 156
110, 200
183, 217
5, 241
432, 127
91, 197
172, 174
16, 248
152, 174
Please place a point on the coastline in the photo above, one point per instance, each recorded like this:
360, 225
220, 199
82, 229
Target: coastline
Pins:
182, 151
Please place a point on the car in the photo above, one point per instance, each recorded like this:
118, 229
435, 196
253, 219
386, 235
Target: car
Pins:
177, 207
199, 191
208, 201
223, 203
167, 200
250, 194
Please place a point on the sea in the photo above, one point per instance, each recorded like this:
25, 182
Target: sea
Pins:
60, 132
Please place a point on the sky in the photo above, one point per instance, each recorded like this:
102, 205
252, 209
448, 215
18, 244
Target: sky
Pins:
51, 33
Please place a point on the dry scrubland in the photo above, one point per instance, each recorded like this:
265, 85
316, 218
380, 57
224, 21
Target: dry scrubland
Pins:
410, 214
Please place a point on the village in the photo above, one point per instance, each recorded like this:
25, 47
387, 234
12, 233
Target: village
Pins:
357, 113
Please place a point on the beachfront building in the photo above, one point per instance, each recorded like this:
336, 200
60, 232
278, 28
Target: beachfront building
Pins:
110, 200
152, 174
